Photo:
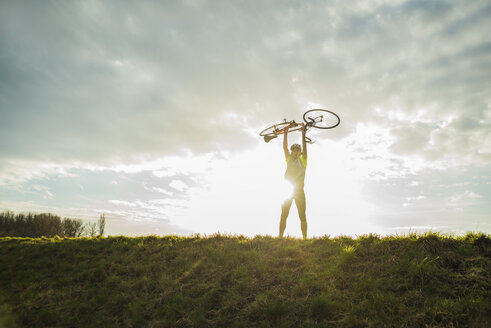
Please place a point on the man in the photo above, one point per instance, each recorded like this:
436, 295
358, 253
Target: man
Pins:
295, 173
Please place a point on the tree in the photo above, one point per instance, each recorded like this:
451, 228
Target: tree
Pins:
72, 227
102, 224
37, 225
7, 224
91, 229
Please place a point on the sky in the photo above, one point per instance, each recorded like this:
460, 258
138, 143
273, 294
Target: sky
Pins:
150, 113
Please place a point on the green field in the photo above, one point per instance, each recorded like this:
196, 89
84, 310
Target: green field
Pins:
426, 280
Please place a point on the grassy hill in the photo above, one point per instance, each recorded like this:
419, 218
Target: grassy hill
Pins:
232, 281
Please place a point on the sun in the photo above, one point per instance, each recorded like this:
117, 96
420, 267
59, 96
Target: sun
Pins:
245, 193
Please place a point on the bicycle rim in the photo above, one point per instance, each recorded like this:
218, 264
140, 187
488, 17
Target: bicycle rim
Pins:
321, 118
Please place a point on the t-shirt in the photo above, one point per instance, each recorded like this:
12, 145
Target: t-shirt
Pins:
295, 170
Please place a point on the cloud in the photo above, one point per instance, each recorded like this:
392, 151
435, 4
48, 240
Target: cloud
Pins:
178, 185
163, 191
466, 196
44, 190
143, 94
94, 82
453, 200
121, 202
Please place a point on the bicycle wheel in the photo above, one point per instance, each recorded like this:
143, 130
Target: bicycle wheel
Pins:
279, 128
321, 118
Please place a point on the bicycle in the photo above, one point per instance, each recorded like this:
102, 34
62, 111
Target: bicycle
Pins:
317, 118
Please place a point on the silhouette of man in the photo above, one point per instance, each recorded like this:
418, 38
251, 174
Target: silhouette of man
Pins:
295, 174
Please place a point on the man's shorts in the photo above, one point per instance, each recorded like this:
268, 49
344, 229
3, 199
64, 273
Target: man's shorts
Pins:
299, 197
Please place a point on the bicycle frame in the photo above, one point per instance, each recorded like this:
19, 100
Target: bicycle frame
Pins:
286, 129
317, 118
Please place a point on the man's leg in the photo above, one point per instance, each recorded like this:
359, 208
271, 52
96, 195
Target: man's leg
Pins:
285, 210
301, 207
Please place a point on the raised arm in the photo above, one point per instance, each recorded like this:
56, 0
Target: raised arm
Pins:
304, 144
285, 144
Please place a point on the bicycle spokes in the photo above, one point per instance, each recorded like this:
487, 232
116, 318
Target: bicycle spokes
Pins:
315, 119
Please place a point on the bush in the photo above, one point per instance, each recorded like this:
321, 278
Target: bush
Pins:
38, 225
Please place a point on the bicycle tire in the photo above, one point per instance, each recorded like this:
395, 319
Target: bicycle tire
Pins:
278, 129
321, 118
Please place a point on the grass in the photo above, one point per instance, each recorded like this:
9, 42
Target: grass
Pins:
426, 280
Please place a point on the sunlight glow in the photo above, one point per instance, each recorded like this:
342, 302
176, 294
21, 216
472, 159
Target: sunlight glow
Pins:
246, 191
286, 189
